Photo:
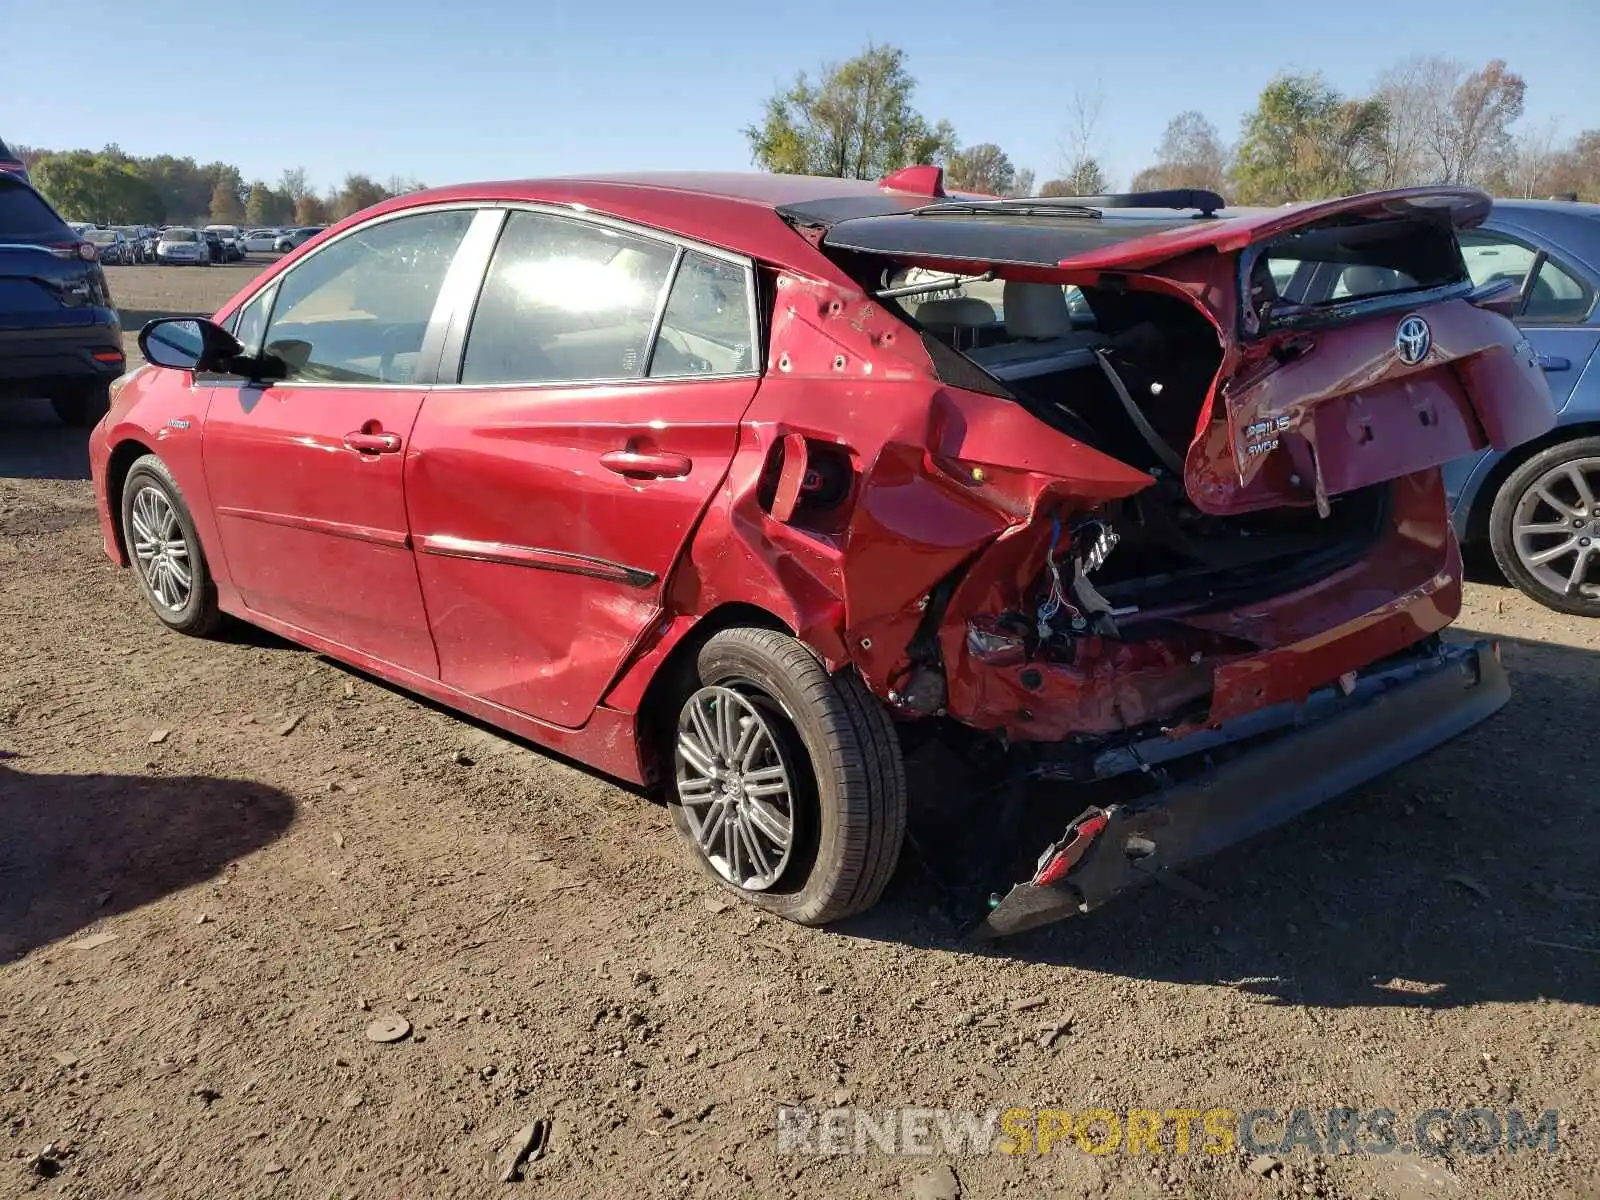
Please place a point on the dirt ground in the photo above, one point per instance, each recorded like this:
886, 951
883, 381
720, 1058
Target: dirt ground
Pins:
220, 862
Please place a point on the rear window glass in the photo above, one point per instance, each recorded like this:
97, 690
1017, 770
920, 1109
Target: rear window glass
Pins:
23, 215
1343, 262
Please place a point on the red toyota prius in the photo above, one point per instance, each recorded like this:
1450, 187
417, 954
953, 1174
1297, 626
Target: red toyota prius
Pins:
747, 487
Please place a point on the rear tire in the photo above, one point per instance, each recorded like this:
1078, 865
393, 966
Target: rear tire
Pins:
1523, 525
165, 550
81, 407
830, 743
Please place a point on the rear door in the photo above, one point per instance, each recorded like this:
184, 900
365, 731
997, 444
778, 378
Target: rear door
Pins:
306, 472
594, 408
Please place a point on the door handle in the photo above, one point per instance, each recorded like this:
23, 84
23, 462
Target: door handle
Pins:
1552, 362
647, 464
372, 443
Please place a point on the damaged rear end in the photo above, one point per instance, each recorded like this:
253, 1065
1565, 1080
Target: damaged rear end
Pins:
1173, 510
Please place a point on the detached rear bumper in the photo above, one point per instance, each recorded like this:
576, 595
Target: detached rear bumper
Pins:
1337, 743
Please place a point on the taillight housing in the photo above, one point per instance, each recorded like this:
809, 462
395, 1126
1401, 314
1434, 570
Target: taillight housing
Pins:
83, 250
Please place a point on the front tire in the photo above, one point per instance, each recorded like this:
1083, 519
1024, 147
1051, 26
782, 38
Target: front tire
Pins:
1544, 527
165, 551
788, 785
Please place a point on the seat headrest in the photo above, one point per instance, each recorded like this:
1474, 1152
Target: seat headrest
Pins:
1368, 281
966, 312
1036, 310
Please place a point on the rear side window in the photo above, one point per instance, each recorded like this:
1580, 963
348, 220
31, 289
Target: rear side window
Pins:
25, 217
706, 328
565, 301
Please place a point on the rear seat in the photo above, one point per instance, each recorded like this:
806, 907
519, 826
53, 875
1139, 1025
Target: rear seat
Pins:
1043, 340
958, 319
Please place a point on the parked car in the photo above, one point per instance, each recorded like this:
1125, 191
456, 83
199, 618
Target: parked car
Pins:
146, 235
135, 240
1537, 506
59, 333
293, 239
671, 474
180, 244
231, 239
262, 241
10, 164
111, 246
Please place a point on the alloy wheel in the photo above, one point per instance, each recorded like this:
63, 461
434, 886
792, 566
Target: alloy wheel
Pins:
1555, 528
160, 547
735, 784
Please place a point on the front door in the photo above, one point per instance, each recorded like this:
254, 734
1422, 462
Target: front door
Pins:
550, 490
306, 473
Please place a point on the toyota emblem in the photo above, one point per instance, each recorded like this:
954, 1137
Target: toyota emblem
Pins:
1412, 340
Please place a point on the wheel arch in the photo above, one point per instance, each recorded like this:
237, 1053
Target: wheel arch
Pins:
1484, 494
673, 661
123, 455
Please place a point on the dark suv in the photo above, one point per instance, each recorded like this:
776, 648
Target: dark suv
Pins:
11, 164
59, 335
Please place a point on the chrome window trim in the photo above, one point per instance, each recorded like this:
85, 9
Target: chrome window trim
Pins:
458, 331
614, 381
579, 212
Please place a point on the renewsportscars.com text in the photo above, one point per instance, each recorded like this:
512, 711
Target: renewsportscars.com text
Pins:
1024, 1131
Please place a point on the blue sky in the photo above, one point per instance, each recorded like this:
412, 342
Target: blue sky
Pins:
450, 90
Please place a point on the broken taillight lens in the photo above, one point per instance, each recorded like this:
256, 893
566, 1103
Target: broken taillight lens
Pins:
1057, 861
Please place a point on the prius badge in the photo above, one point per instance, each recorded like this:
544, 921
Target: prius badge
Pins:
1412, 340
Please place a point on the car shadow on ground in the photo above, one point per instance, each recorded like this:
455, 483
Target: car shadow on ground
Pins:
1467, 876
34, 444
78, 848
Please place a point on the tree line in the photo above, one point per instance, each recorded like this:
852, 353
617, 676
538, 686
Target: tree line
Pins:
1427, 120
115, 188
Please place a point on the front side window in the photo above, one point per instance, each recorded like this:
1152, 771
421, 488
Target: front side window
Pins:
1555, 295
565, 301
1494, 259
706, 327
356, 311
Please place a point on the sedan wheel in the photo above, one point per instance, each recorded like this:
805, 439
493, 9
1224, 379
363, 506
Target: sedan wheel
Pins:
165, 550
733, 784
1545, 527
159, 547
788, 783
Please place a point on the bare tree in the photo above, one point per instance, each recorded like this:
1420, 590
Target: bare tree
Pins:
1416, 93
1022, 183
1470, 135
1079, 150
293, 184
1531, 167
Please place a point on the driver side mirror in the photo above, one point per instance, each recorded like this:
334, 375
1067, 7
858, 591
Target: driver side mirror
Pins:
191, 344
